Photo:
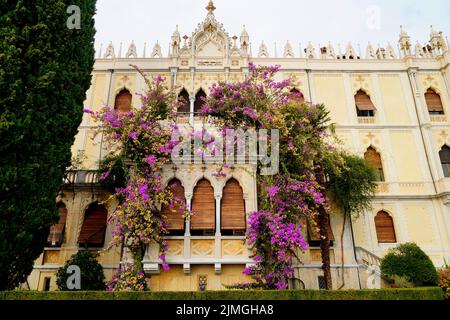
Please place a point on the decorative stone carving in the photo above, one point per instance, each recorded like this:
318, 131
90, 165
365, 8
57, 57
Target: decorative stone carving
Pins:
109, 53
288, 51
370, 52
132, 52
310, 51
263, 51
156, 53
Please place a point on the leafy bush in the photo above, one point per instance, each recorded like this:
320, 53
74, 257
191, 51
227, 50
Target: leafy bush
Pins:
92, 276
432, 293
408, 260
444, 280
402, 282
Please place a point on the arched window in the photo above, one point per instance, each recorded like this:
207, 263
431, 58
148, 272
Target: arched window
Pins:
364, 106
123, 101
373, 158
233, 217
56, 235
94, 226
184, 98
444, 155
199, 100
297, 95
203, 219
175, 220
385, 228
434, 102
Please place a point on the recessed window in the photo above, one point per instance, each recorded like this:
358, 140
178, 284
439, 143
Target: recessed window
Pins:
364, 105
184, 99
56, 235
444, 155
373, 158
199, 101
434, 102
93, 230
203, 219
174, 216
384, 225
233, 218
123, 101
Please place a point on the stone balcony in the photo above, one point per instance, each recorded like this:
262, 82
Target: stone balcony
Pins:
192, 250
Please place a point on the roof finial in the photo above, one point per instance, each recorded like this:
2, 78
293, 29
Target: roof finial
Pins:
210, 7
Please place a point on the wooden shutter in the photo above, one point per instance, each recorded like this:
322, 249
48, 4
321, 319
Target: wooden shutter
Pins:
175, 220
363, 102
297, 95
185, 100
315, 236
123, 101
198, 104
434, 102
385, 228
373, 158
203, 207
444, 155
94, 226
233, 207
56, 236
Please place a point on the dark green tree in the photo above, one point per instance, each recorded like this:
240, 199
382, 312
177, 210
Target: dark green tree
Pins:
408, 260
45, 71
352, 190
92, 276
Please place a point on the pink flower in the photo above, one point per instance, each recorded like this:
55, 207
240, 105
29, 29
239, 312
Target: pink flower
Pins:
273, 191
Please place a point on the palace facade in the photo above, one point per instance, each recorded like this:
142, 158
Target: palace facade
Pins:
391, 105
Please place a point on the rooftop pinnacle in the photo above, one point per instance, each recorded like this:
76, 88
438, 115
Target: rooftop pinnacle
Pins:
210, 7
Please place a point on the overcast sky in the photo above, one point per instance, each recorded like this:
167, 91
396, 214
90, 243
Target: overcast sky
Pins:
298, 21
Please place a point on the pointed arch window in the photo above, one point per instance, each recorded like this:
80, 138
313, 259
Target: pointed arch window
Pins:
373, 158
93, 229
203, 220
444, 155
123, 101
174, 216
233, 217
364, 105
384, 225
56, 235
297, 95
434, 102
199, 100
184, 99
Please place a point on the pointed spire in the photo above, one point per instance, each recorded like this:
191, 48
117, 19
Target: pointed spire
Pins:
211, 7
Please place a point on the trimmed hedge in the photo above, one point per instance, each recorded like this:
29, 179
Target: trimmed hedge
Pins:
425, 293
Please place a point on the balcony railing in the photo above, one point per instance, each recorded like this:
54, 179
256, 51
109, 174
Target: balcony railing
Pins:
81, 177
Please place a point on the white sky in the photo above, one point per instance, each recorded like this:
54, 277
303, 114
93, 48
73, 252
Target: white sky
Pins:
298, 21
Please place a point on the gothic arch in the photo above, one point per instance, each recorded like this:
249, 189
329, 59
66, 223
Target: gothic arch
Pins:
385, 227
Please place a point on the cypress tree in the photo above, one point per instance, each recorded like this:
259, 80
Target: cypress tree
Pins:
45, 71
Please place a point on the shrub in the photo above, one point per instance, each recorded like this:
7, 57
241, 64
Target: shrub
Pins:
408, 260
444, 280
433, 293
92, 276
401, 282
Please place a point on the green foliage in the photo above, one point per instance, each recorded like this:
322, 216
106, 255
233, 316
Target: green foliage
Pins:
113, 173
444, 280
92, 276
402, 282
410, 261
431, 293
45, 71
353, 186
